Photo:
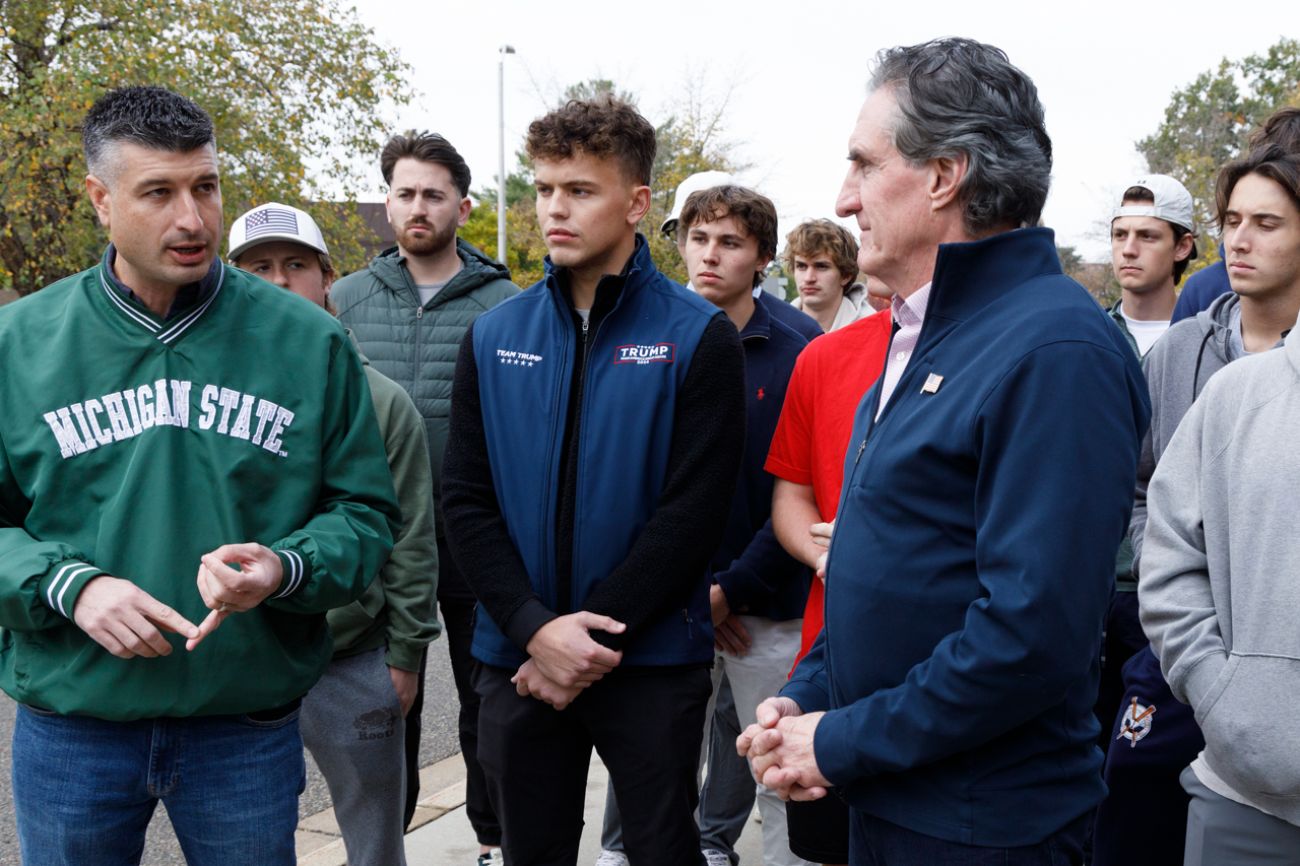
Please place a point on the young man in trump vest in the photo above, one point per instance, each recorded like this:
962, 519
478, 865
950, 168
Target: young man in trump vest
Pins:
586, 484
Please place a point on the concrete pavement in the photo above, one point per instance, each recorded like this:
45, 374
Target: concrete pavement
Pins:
441, 835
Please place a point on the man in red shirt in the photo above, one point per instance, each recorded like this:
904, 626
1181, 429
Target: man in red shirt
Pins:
807, 458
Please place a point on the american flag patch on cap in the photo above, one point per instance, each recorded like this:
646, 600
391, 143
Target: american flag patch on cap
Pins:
270, 220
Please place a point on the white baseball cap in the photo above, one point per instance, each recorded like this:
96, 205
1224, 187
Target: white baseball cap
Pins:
696, 182
274, 222
1173, 203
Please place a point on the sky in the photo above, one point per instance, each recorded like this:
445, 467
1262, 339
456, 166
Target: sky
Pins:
792, 76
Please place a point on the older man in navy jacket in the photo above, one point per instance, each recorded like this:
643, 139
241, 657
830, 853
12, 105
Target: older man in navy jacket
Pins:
986, 488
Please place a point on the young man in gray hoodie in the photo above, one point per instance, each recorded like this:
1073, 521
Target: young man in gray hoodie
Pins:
1155, 736
1218, 591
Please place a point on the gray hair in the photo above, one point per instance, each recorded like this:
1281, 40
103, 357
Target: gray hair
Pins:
958, 96
148, 116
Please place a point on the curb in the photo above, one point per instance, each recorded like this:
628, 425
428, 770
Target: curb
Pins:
318, 840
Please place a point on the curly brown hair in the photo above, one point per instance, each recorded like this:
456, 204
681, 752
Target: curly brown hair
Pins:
823, 237
754, 212
604, 127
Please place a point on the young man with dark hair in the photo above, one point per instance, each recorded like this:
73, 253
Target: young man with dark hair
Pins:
758, 590
728, 238
821, 255
1151, 240
593, 579
354, 718
1220, 552
164, 436
408, 311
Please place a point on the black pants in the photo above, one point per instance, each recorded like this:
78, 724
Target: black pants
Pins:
1124, 637
876, 842
458, 623
411, 743
819, 829
645, 723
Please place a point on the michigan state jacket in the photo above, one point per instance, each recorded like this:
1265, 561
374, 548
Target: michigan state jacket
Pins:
132, 445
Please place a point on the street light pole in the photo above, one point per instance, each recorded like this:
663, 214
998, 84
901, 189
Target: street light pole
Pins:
501, 151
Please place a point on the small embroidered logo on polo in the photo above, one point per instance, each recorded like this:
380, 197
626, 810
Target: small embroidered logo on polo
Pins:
375, 725
512, 358
1136, 723
655, 353
932, 383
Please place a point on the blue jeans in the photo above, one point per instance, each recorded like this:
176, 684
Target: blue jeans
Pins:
85, 789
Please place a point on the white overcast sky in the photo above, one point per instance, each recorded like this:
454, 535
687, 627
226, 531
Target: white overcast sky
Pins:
795, 73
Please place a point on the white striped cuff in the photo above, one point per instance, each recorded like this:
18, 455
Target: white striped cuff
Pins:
294, 572
64, 578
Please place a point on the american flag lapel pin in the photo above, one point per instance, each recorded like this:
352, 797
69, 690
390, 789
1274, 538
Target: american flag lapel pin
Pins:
932, 383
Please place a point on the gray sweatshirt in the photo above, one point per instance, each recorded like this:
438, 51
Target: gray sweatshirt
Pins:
1177, 368
1220, 588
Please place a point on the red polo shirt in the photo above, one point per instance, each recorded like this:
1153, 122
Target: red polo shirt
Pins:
812, 436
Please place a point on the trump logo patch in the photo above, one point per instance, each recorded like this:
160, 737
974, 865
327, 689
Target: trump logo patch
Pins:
655, 353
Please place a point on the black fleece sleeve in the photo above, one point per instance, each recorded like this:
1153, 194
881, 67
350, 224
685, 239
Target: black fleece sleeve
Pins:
476, 531
673, 550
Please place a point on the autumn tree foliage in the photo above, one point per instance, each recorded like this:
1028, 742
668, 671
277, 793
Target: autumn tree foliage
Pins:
294, 87
1208, 122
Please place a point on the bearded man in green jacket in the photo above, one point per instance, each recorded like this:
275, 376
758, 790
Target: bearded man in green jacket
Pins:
408, 311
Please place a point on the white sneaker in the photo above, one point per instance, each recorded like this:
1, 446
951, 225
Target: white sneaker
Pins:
714, 857
492, 858
612, 858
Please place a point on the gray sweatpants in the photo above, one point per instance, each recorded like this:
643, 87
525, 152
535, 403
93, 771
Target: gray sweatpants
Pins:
352, 725
1222, 831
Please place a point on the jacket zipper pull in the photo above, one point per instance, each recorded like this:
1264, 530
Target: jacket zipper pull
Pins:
419, 312
861, 448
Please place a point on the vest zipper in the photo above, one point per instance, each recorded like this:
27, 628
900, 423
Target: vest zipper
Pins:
577, 476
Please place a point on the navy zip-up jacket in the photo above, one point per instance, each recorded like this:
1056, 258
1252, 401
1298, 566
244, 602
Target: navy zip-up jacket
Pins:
635, 362
973, 557
803, 324
758, 577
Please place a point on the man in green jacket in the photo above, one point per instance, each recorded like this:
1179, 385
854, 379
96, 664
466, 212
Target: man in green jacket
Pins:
408, 311
180, 443
353, 719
